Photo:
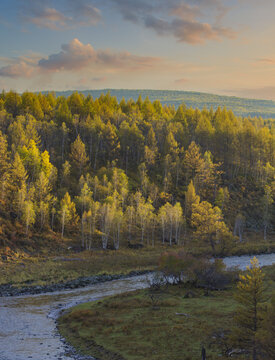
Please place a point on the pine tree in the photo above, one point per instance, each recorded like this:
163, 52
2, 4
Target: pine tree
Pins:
266, 335
17, 183
31, 159
78, 154
192, 161
208, 222
110, 142
4, 155
190, 198
64, 135
13, 103
266, 203
248, 318
4, 167
63, 113
46, 165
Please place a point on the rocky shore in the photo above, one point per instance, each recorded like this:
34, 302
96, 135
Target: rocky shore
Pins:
10, 290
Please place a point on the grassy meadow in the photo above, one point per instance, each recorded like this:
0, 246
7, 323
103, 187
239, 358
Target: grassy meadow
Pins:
54, 263
172, 326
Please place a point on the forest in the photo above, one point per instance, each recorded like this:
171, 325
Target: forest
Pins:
133, 173
240, 106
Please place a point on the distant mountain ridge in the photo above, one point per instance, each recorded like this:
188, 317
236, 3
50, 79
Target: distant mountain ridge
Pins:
240, 106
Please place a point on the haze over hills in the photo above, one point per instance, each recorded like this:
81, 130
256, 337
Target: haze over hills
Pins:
240, 106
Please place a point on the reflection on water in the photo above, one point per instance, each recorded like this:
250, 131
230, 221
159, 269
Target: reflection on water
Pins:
27, 323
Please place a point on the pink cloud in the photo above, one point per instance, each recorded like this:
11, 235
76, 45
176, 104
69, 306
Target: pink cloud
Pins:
77, 56
49, 18
20, 69
181, 81
267, 61
79, 13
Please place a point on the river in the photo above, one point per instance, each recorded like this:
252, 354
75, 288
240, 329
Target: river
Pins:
28, 326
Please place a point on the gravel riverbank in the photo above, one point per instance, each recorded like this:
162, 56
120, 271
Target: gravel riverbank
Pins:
10, 290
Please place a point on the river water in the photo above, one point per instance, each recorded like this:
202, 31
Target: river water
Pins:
27, 323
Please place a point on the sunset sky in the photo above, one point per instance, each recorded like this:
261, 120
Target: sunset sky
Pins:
218, 46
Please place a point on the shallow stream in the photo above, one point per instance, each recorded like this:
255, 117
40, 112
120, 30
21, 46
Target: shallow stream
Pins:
28, 323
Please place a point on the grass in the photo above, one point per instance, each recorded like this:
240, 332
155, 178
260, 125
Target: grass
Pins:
129, 327
45, 259
43, 270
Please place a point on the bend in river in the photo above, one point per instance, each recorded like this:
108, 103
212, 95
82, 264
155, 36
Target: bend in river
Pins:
27, 323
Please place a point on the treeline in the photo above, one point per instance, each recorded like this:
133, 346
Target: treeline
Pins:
240, 106
133, 171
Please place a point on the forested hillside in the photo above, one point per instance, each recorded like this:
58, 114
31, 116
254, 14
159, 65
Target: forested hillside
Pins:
132, 173
240, 106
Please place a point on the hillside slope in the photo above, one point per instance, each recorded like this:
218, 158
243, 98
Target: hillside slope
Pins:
240, 106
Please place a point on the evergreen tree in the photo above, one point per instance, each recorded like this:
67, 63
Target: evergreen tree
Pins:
208, 222
248, 319
266, 203
190, 198
78, 155
266, 334
192, 161
4, 167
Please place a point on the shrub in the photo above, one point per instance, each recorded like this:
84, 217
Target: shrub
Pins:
180, 267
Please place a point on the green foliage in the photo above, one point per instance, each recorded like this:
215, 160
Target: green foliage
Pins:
67, 212
183, 320
266, 334
78, 154
208, 222
248, 319
180, 267
140, 161
240, 106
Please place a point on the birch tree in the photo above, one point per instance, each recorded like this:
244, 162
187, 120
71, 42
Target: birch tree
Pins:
67, 212
28, 215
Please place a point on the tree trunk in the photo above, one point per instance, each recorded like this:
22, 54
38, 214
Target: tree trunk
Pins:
212, 243
52, 220
82, 232
203, 353
63, 225
142, 235
265, 228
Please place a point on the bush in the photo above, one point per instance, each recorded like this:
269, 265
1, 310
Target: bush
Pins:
212, 275
176, 267
181, 268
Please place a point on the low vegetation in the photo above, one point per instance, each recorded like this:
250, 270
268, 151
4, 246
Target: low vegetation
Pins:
48, 260
167, 322
40, 270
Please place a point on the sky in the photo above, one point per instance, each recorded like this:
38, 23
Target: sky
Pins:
218, 46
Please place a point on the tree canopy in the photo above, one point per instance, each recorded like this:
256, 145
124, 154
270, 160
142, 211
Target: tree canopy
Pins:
134, 170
